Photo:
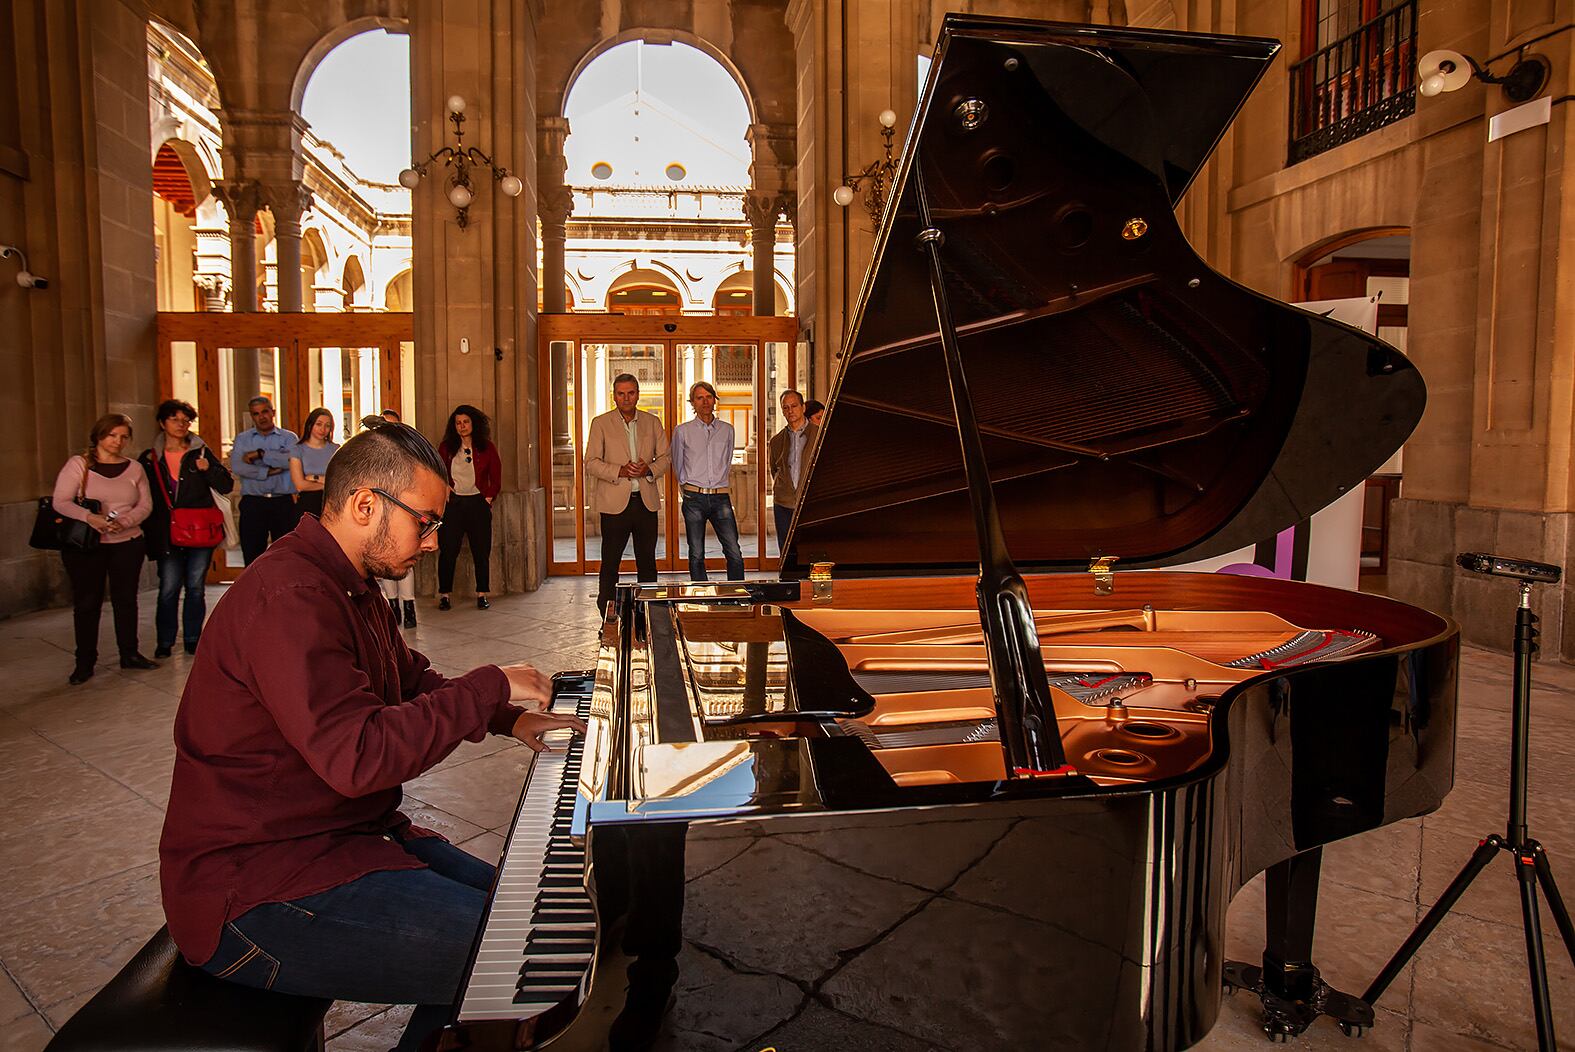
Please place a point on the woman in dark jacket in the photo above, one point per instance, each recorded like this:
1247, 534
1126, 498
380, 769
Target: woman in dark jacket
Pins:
182, 472
475, 475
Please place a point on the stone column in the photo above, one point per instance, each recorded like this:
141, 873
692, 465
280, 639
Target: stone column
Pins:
475, 289
554, 204
288, 202
762, 210
242, 199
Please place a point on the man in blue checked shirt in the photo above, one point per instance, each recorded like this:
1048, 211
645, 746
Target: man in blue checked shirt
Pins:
702, 460
260, 458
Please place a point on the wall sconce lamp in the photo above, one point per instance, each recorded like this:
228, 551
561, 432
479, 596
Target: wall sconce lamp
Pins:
24, 277
1444, 70
462, 159
877, 173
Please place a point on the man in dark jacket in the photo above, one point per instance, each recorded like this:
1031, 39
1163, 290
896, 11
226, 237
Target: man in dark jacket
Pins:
285, 862
182, 473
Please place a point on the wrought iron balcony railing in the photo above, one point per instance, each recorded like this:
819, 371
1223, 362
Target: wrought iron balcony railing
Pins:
1356, 85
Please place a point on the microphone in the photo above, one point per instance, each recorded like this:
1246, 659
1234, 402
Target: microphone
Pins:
1520, 569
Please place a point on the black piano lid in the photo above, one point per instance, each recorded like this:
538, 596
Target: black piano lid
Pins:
1134, 403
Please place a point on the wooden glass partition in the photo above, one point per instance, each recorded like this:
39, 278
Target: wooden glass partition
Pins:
750, 361
353, 364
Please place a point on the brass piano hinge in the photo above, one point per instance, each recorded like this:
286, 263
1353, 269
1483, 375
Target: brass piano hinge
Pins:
820, 582
1104, 578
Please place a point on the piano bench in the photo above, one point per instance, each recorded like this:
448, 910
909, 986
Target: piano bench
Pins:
159, 1003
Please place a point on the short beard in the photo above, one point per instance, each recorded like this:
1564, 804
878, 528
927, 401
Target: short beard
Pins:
378, 554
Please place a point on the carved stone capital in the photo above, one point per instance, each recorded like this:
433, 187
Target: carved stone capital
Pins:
242, 200
288, 202
762, 210
789, 202
554, 204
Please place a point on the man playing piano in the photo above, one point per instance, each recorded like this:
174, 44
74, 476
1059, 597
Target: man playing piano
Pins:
285, 862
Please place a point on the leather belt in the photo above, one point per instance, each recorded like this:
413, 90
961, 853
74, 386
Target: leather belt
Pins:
687, 488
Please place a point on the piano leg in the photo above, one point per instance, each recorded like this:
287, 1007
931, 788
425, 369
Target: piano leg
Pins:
1293, 993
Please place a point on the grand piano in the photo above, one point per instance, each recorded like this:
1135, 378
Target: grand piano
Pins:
979, 773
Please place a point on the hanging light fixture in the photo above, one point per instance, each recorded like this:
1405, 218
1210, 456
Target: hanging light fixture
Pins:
461, 159
877, 173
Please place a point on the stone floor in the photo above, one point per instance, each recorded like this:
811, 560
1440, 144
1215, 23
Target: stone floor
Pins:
85, 776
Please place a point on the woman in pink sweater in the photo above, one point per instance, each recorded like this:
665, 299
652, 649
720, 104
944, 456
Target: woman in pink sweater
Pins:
124, 500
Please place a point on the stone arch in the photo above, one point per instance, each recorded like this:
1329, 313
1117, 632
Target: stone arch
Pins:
191, 158
352, 280
333, 38
663, 36
1304, 261
740, 278
653, 275
398, 292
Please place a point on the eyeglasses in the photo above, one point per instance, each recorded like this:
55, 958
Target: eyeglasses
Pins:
429, 523
467, 456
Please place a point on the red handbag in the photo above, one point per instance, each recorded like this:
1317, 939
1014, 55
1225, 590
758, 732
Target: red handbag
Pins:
192, 527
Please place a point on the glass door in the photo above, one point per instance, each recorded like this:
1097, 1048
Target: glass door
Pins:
598, 366
749, 368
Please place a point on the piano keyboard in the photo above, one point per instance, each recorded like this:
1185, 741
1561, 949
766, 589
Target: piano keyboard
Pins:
540, 931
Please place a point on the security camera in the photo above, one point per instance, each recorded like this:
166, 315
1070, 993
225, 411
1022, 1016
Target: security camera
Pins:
24, 277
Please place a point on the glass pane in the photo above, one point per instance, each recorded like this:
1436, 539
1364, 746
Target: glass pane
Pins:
778, 379
243, 374
407, 382
730, 368
599, 364
183, 356
565, 454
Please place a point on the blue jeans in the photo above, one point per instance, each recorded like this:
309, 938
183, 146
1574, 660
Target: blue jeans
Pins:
182, 568
717, 509
390, 937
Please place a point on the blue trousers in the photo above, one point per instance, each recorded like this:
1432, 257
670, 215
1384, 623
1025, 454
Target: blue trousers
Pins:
717, 509
391, 937
183, 569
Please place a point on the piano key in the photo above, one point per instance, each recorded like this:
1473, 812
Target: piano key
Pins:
539, 935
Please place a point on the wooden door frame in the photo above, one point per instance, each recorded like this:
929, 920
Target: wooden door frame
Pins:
669, 331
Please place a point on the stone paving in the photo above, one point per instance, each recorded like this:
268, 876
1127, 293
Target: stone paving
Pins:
85, 776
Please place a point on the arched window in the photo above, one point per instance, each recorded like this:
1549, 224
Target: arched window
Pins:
648, 115
647, 292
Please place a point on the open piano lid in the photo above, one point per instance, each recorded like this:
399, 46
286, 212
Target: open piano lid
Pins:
1133, 402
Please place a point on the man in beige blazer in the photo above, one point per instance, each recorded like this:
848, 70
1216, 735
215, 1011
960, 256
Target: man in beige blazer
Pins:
624, 456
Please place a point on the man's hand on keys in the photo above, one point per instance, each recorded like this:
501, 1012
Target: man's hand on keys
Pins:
531, 725
528, 686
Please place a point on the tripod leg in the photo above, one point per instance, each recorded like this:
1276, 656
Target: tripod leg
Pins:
1526, 873
1561, 915
1457, 887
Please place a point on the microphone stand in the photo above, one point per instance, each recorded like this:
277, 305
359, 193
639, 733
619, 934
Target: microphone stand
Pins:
1531, 861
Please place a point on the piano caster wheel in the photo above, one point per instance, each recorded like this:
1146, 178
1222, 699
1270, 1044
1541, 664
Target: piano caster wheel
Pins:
1352, 1029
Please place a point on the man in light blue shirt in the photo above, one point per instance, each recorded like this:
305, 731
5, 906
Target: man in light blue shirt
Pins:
702, 460
260, 458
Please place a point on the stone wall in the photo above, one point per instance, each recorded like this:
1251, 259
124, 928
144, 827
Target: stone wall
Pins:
1430, 533
77, 201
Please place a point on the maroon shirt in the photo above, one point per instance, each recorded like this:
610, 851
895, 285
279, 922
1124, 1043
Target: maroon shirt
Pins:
303, 715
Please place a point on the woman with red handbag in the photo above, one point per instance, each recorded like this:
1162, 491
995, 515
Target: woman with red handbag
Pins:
186, 525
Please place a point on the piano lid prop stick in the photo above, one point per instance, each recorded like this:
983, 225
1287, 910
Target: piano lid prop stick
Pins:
1030, 736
